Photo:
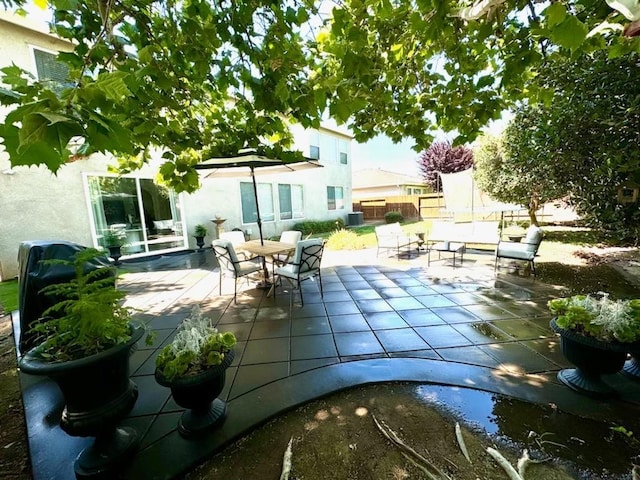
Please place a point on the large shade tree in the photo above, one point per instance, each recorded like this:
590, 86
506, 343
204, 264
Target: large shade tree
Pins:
586, 141
200, 78
520, 171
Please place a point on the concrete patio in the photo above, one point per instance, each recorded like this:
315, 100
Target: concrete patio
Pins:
381, 320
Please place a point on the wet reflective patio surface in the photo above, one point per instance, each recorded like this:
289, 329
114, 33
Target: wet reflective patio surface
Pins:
379, 321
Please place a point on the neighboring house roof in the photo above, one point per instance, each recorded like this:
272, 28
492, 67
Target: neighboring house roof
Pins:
376, 177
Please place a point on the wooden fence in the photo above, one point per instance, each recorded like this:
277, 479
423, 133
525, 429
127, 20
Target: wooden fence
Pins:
423, 207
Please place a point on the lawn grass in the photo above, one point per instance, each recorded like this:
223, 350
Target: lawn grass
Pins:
584, 237
9, 296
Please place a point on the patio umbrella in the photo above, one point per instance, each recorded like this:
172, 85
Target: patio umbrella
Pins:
246, 163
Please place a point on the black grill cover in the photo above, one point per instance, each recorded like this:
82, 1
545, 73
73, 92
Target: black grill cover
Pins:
34, 275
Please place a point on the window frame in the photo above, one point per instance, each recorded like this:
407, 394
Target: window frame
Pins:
341, 143
32, 50
295, 214
336, 199
263, 218
314, 144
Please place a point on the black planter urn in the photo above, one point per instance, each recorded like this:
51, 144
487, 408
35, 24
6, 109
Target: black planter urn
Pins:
115, 253
98, 394
199, 242
592, 358
199, 395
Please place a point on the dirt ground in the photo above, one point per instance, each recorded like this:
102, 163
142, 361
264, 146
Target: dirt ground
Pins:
14, 458
334, 438
337, 438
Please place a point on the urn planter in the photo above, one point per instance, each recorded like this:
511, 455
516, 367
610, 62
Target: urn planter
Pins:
199, 242
97, 394
199, 395
592, 358
115, 252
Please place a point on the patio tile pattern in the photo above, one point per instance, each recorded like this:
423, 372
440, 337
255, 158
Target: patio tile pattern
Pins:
403, 322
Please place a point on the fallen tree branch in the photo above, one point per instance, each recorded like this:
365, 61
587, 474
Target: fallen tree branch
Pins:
461, 443
394, 438
286, 462
511, 472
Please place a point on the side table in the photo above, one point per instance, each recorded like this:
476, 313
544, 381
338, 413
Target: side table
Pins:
446, 246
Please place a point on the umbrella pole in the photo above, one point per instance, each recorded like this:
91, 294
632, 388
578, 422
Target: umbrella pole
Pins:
255, 193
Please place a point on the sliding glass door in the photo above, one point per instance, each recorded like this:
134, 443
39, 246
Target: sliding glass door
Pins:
148, 214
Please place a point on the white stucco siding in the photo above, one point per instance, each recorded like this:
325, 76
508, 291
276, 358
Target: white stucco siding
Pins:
17, 42
221, 196
38, 205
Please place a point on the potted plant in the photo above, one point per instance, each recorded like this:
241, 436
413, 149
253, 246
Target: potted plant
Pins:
199, 232
596, 335
194, 367
86, 339
114, 240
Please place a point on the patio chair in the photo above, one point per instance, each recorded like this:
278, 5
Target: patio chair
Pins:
288, 236
305, 264
525, 250
231, 266
236, 237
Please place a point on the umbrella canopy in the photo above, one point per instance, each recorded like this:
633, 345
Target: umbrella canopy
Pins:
250, 164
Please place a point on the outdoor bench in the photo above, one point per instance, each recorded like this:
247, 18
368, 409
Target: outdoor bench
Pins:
470, 232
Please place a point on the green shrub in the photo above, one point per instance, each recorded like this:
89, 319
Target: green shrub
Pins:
393, 217
345, 240
318, 226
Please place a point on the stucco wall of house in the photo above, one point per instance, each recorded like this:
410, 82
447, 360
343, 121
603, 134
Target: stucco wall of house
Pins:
17, 40
38, 205
221, 196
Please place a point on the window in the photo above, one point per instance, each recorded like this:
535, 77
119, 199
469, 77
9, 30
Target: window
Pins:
50, 70
343, 152
335, 198
265, 200
314, 144
149, 214
290, 199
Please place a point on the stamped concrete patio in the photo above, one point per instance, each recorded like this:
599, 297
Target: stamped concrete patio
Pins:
380, 320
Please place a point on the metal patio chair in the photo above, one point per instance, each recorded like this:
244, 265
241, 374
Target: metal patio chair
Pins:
304, 265
231, 266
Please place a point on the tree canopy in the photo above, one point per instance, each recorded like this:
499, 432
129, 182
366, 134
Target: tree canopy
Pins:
515, 169
585, 142
199, 79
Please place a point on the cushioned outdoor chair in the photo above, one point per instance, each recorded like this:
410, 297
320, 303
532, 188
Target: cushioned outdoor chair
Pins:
236, 237
231, 266
288, 236
525, 250
305, 264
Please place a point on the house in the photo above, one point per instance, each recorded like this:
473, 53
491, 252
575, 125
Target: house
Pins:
83, 200
377, 183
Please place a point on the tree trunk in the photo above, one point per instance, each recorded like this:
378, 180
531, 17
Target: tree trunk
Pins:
534, 205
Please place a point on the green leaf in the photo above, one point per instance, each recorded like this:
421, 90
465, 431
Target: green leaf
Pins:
15, 76
113, 85
485, 81
570, 33
50, 128
555, 14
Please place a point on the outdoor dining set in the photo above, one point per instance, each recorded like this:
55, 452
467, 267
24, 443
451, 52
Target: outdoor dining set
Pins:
291, 258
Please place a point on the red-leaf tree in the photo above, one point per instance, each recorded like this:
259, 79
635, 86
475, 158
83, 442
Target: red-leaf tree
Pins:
443, 157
